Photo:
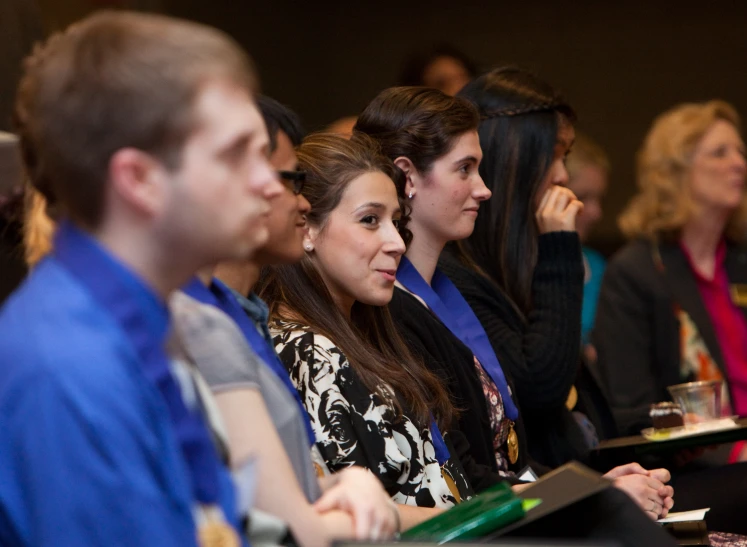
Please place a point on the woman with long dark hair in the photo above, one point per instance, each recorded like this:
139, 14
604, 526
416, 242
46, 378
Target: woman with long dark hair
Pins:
433, 139
370, 401
521, 269
522, 274
445, 191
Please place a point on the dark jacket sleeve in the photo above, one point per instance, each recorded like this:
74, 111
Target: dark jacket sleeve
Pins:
551, 341
635, 327
542, 353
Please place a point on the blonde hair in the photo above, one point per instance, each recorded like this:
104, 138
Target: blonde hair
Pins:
663, 204
38, 228
585, 152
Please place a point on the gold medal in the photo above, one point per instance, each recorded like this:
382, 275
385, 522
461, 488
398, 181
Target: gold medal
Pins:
214, 531
512, 442
570, 402
452, 485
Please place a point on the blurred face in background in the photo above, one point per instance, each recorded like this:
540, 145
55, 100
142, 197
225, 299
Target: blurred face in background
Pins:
717, 172
589, 184
446, 74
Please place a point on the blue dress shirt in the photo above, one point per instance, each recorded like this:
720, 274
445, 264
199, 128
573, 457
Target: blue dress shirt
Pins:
89, 455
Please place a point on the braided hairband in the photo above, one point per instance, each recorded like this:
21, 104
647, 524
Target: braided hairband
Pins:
517, 111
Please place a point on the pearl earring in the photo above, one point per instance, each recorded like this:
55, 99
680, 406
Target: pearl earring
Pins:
308, 247
410, 196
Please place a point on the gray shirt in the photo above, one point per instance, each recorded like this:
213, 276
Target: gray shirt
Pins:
216, 345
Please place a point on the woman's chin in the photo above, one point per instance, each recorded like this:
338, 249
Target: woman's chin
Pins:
379, 298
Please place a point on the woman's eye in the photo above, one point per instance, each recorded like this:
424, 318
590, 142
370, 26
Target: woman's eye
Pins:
370, 220
397, 223
464, 169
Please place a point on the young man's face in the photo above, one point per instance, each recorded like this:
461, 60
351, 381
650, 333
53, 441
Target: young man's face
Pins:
218, 201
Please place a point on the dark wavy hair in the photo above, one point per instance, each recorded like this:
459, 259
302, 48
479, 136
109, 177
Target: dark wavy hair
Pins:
279, 117
520, 115
419, 123
298, 293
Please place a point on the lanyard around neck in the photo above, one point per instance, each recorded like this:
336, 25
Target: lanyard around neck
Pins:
445, 300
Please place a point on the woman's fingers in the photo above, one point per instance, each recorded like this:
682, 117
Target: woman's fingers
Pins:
544, 200
627, 469
558, 210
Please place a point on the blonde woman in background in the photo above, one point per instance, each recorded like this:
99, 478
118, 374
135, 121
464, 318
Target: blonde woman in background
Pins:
671, 307
672, 303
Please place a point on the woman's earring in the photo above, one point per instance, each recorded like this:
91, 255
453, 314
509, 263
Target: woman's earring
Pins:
410, 196
308, 246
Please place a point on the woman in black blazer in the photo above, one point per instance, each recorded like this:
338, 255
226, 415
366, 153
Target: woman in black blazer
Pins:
671, 307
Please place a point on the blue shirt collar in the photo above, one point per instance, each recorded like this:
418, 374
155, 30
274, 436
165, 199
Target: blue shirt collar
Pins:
141, 313
254, 307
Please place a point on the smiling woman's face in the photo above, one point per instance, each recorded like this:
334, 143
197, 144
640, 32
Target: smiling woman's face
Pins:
358, 249
446, 200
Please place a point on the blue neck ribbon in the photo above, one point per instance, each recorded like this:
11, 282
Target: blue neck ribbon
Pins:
445, 300
220, 296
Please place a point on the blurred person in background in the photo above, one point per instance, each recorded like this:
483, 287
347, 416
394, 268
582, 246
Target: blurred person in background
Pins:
444, 67
588, 173
343, 126
672, 303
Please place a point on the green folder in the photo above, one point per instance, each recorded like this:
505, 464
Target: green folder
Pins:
489, 511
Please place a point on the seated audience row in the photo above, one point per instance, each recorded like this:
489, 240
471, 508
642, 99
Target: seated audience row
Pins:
421, 337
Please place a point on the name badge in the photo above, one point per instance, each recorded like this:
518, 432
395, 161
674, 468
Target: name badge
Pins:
738, 293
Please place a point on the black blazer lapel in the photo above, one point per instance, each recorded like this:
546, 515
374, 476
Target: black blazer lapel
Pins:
681, 281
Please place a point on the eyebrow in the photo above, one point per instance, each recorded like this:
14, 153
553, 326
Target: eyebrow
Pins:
237, 143
377, 206
470, 159
370, 205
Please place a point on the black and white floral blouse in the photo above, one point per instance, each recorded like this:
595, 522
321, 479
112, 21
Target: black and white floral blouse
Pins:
354, 426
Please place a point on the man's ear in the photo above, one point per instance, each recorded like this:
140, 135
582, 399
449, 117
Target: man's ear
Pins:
139, 180
411, 175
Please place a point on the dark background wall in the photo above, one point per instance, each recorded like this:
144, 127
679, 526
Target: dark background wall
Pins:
619, 64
